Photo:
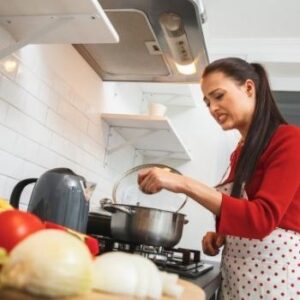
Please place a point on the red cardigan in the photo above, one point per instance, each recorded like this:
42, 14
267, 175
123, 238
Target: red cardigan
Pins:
273, 191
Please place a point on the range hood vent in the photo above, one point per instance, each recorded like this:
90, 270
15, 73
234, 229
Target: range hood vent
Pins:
158, 41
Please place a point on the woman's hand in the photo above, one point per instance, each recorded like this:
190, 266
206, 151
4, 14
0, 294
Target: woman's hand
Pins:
211, 243
153, 180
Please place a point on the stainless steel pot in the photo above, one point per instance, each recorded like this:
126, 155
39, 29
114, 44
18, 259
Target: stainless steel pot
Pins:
144, 225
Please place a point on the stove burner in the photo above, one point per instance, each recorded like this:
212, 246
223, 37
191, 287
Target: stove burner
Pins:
184, 262
170, 256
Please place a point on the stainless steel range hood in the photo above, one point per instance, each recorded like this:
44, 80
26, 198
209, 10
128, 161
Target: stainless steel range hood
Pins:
158, 38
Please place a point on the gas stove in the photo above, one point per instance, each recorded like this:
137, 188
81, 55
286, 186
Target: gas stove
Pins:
184, 262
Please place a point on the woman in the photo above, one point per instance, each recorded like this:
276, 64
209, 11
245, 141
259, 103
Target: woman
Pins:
258, 205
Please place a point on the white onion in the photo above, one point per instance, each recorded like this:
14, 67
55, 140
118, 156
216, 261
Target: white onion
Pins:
170, 285
134, 275
149, 283
49, 263
129, 274
114, 273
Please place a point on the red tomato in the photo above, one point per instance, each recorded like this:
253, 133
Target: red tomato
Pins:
15, 225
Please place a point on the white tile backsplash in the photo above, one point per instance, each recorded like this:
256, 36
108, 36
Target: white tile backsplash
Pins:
8, 185
31, 169
25, 125
12, 93
25, 148
55, 121
48, 96
47, 158
79, 103
7, 143
50, 111
35, 109
26, 79
3, 109
10, 165
73, 116
2, 184
71, 133
91, 146
98, 131
62, 146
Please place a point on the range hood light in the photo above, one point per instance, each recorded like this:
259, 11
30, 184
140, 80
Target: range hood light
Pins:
177, 40
186, 69
10, 65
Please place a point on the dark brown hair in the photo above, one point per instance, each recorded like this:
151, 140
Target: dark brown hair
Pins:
265, 120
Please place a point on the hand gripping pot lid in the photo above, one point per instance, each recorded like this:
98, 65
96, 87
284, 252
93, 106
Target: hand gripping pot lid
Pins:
127, 192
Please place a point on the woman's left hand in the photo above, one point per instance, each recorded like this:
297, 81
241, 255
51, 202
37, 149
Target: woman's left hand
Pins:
153, 180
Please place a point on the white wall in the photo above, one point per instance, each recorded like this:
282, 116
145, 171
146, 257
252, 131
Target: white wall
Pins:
50, 117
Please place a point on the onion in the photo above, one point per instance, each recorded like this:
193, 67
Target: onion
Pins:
134, 275
170, 285
115, 273
129, 274
49, 263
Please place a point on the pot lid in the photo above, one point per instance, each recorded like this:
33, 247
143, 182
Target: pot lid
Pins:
126, 191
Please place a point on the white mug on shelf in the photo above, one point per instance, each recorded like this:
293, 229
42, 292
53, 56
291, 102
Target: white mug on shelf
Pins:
156, 109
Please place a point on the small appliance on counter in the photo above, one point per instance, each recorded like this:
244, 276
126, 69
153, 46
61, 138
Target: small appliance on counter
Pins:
59, 196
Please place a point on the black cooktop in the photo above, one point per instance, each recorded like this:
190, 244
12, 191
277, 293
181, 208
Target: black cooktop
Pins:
184, 262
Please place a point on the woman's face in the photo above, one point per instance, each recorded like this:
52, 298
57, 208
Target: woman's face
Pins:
231, 105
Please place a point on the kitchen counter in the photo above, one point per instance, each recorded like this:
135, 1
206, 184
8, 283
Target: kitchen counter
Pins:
191, 292
209, 281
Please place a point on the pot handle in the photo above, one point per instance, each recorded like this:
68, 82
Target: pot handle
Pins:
113, 208
144, 166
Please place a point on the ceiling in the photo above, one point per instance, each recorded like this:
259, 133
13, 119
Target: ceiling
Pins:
265, 31
262, 31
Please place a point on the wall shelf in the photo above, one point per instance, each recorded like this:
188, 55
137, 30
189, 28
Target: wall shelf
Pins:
53, 22
150, 135
171, 94
182, 100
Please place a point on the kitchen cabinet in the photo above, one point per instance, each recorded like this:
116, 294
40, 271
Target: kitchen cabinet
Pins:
57, 22
152, 136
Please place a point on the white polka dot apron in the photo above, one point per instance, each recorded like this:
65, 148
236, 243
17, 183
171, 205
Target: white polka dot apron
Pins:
255, 269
